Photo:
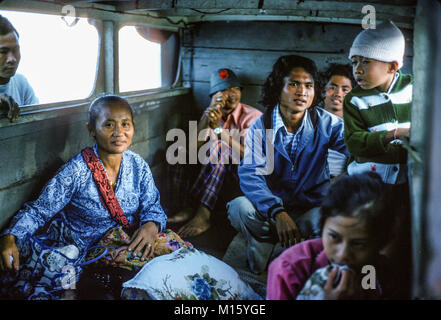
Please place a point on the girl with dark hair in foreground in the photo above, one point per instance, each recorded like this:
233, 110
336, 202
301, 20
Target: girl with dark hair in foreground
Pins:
356, 224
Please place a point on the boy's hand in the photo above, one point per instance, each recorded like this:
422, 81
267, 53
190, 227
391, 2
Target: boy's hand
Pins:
398, 133
402, 132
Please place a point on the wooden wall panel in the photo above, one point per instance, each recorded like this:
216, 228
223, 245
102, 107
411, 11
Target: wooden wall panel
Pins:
251, 48
282, 36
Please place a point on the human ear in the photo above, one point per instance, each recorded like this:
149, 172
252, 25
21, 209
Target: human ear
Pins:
393, 66
91, 130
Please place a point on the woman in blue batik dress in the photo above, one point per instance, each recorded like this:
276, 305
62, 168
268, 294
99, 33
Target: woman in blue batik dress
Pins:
75, 196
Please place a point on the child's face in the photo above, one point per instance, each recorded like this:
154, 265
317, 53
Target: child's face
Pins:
346, 242
370, 73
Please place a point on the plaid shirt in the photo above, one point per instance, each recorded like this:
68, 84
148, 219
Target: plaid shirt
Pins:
290, 140
211, 177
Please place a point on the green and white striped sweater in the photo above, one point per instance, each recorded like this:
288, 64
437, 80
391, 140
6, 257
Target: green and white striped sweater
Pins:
368, 115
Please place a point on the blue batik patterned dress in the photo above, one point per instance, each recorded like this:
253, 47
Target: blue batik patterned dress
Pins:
73, 195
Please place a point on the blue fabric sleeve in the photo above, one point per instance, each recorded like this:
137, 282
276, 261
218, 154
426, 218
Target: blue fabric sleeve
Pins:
337, 142
54, 197
252, 180
149, 201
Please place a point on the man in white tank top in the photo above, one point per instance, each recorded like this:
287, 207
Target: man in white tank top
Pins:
15, 90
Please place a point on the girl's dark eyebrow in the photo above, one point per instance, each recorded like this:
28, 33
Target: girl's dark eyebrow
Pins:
352, 240
332, 230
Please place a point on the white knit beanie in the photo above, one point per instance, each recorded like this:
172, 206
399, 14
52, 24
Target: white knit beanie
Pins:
385, 43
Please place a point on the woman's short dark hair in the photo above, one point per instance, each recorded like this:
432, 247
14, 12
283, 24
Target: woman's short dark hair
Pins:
275, 81
362, 196
95, 106
6, 27
336, 69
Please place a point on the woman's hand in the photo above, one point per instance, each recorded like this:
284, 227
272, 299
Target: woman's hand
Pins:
144, 239
8, 249
346, 289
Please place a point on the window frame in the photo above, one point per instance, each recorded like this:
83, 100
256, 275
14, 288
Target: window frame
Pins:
117, 88
106, 76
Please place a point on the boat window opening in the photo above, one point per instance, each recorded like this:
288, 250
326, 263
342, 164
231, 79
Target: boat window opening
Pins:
139, 61
58, 60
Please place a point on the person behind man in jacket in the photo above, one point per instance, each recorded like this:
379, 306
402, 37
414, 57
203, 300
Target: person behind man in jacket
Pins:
15, 90
337, 83
283, 191
225, 123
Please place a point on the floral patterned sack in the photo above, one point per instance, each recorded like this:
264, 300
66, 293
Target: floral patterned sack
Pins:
187, 274
116, 241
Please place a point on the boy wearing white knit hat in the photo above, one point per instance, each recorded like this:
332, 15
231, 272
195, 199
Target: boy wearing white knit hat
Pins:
376, 112
376, 116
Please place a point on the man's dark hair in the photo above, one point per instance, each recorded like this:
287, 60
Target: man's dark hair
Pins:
282, 68
336, 69
95, 106
6, 27
363, 196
